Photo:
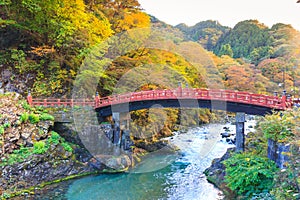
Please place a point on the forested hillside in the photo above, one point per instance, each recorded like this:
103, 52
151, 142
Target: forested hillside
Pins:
260, 59
207, 33
43, 43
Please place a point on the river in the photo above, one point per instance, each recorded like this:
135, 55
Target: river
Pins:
159, 175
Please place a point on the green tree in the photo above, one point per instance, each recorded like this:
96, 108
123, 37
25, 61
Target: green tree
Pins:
226, 50
244, 38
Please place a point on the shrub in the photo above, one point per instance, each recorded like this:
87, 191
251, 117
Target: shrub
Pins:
6, 125
1, 130
39, 147
17, 155
33, 118
248, 174
67, 147
24, 117
55, 137
46, 116
26, 106
278, 127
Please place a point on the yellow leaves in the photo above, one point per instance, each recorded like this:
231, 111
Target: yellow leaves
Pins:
75, 19
247, 159
134, 20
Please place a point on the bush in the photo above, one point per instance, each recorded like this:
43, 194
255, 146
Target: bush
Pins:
55, 137
46, 116
1, 130
17, 156
67, 147
278, 127
6, 125
39, 147
33, 118
24, 117
26, 106
248, 174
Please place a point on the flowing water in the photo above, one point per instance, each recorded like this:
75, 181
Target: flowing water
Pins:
160, 175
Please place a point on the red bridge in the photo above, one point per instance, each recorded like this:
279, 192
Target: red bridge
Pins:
228, 100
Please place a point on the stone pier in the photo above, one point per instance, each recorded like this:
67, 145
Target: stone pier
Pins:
240, 131
121, 132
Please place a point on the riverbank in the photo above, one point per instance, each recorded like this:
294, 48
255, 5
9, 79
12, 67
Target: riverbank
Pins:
215, 174
32, 155
254, 174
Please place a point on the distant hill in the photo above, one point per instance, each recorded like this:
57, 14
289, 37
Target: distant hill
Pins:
207, 33
247, 39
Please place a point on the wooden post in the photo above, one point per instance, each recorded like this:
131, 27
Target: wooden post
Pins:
240, 130
97, 100
179, 89
29, 98
283, 99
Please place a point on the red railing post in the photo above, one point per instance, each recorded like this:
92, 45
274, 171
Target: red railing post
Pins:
29, 98
179, 90
283, 100
97, 100
45, 102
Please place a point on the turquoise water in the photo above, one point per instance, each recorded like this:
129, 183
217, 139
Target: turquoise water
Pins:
161, 175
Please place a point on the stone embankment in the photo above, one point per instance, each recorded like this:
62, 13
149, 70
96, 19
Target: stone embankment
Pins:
31, 153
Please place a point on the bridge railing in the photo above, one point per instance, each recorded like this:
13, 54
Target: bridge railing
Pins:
51, 102
223, 95
179, 93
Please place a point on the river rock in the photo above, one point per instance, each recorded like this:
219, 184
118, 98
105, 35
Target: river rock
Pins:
26, 132
116, 163
6, 74
216, 172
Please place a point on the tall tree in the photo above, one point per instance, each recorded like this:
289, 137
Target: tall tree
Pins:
226, 50
122, 14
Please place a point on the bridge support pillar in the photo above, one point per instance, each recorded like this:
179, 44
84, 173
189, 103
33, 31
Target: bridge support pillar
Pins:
121, 132
116, 128
240, 131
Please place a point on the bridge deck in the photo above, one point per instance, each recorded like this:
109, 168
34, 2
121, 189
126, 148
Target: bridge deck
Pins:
272, 102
